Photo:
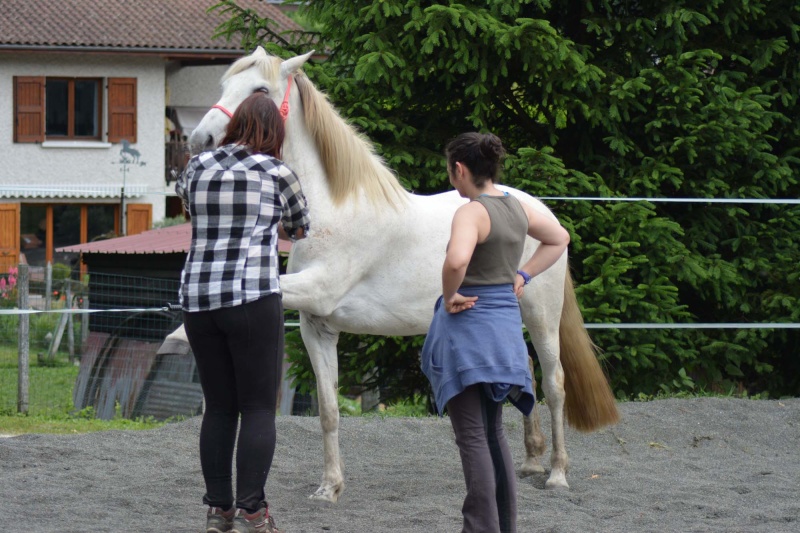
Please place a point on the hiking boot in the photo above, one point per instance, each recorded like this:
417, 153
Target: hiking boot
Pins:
258, 522
218, 520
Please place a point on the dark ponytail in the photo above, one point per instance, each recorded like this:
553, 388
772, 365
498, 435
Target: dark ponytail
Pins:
482, 153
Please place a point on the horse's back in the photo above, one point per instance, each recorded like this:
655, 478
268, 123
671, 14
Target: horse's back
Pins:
396, 294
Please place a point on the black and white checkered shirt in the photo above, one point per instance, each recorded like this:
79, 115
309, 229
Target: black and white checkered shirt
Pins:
236, 199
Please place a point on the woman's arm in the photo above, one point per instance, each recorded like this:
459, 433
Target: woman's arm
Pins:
182, 183
464, 236
553, 238
294, 220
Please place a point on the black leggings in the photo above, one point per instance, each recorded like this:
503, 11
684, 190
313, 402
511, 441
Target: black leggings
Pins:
491, 502
239, 354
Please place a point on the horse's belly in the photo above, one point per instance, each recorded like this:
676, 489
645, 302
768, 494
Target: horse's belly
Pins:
370, 319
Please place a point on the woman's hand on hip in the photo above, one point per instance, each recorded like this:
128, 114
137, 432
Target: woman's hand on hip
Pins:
459, 303
519, 286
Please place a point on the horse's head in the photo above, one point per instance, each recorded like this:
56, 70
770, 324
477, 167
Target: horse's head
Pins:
256, 72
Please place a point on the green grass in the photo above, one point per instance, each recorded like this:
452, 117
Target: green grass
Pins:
49, 389
352, 407
51, 408
50, 404
66, 424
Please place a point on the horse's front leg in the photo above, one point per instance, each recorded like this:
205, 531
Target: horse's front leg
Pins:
320, 341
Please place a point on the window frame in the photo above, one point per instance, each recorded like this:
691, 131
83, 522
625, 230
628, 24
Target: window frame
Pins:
71, 136
117, 109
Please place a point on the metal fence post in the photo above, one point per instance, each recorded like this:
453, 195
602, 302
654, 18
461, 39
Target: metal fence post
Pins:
23, 375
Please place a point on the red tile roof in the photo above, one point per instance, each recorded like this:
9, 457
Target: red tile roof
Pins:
140, 24
169, 240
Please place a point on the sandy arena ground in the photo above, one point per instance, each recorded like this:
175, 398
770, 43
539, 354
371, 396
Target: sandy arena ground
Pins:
698, 465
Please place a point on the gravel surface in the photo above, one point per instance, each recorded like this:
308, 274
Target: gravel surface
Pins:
679, 465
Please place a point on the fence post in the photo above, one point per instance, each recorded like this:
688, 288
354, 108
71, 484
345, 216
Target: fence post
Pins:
84, 325
48, 285
286, 394
370, 398
70, 330
23, 374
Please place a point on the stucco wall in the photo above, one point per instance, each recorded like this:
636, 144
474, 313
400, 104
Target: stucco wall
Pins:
194, 86
36, 165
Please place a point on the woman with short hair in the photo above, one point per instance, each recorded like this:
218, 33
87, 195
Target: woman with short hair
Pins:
475, 355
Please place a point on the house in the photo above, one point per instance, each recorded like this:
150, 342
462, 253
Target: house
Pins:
96, 98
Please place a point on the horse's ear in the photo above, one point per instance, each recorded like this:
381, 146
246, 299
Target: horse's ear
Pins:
259, 51
291, 65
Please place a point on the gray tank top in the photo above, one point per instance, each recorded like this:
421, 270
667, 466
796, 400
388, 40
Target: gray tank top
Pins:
495, 261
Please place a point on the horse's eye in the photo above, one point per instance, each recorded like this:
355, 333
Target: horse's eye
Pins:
264, 90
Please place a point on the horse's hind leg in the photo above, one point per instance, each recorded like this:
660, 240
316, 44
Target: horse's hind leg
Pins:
543, 326
534, 439
547, 349
320, 341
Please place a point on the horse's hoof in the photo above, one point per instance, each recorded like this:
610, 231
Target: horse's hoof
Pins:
326, 494
552, 484
530, 468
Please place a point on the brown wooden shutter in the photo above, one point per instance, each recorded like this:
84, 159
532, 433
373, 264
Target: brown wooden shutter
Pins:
9, 236
28, 109
121, 109
140, 218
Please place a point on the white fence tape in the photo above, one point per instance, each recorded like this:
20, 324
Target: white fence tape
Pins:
80, 311
608, 325
677, 200
708, 325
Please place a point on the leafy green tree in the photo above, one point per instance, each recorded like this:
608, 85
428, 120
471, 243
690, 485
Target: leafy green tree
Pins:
608, 98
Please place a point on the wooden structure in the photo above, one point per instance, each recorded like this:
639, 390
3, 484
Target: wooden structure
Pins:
125, 360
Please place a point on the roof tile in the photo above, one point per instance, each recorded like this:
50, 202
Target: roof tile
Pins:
145, 24
169, 240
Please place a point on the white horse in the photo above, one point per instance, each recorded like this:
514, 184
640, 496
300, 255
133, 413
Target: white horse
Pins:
371, 264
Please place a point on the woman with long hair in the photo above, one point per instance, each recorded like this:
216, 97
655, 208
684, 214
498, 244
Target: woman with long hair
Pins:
240, 197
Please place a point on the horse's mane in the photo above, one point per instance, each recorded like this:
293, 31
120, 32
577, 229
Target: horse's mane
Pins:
350, 161
349, 158
270, 69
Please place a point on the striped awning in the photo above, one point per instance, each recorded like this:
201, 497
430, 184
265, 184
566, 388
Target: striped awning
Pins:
86, 190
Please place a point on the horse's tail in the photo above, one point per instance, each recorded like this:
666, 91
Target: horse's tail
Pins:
589, 403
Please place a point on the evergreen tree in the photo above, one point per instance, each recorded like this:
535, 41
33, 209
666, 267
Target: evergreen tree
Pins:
614, 98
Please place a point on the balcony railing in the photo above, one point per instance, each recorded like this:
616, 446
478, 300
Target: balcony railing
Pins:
176, 156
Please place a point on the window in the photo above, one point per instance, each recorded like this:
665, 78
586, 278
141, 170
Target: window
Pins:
72, 108
45, 227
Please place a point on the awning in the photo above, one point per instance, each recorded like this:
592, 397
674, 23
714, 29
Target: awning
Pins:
189, 117
86, 190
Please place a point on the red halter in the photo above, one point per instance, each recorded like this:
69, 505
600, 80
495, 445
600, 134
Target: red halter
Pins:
284, 109
285, 105
221, 108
